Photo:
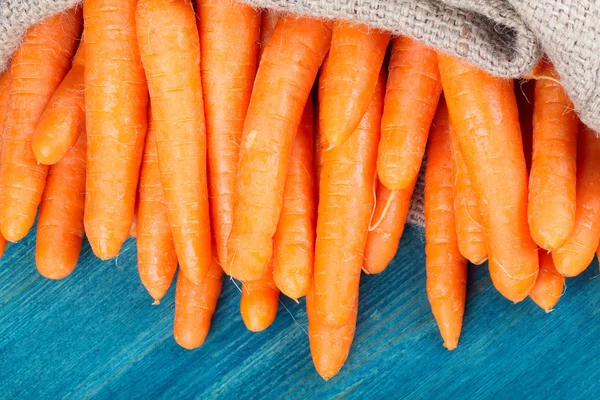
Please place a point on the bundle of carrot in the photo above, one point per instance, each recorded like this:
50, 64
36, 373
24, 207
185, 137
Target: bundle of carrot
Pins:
284, 151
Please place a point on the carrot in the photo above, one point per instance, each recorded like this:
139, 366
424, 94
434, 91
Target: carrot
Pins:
551, 207
37, 69
446, 267
549, 285
355, 58
524, 92
574, 256
229, 32
483, 111
294, 239
64, 116
283, 82
60, 224
259, 302
174, 81
329, 346
319, 143
345, 207
387, 225
157, 260
268, 24
5, 79
411, 98
195, 305
469, 230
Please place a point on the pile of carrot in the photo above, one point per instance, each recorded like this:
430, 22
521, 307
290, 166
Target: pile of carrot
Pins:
283, 151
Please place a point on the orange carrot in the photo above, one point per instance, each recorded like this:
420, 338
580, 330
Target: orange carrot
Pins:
484, 113
549, 285
283, 82
469, 230
229, 32
259, 302
355, 58
60, 224
294, 240
37, 69
268, 24
64, 116
411, 98
446, 267
174, 81
387, 225
551, 207
574, 256
524, 92
157, 260
5, 79
195, 305
345, 207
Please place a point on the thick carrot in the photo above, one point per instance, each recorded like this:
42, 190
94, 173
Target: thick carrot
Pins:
354, 61
469, 230
195, 305
412, 94
267, 27
446, 267
524, 92
387, 225
329, 346
116, 100
37, 69
484, 113
283, 82
229, 32
551, 207
64, 116
174, 81
574, 256
60, 223
5, 79
345, 207
259, 302
549, 285
157, 260
294, 240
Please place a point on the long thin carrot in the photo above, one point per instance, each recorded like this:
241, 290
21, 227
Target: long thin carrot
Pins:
174, 81
60, 223
259, 302
412, 94
483, 111
345, 207
446, 267
283, 82
574, 256
355, 58
116, 100
64, 116
229, 32
549, 285
37, 69
267, 27
157, 259
294, 239
551, 206
5, 79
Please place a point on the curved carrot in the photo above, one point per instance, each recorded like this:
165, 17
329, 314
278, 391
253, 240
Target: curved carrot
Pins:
157, 260
412, 94
269, 22
174, 81
484, 113
574, 256
283, 82
116, 100
37, 69
229, 32
446, 267
5, 79
387, 224
294, 239
355, 58
60, 223
549, 285
64, 116
345, 207
551, 206
259, 302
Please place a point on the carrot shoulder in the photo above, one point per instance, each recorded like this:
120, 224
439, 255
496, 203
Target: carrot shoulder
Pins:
549, 285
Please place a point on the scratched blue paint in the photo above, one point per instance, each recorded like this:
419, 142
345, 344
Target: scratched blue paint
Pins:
96, 334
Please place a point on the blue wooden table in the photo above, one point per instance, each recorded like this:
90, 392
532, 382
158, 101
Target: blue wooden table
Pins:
97, 334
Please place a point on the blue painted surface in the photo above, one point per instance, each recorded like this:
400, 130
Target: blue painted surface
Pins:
97, 334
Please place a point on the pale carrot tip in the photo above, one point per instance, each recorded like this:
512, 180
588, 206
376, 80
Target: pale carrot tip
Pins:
189, 340
450, 345
156, 302
104, 250
12, 231
255, 323
53, 274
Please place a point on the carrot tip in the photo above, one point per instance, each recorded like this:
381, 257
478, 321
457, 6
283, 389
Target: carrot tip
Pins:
156, 302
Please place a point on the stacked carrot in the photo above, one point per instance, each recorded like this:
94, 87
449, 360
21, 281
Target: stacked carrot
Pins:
284, 151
